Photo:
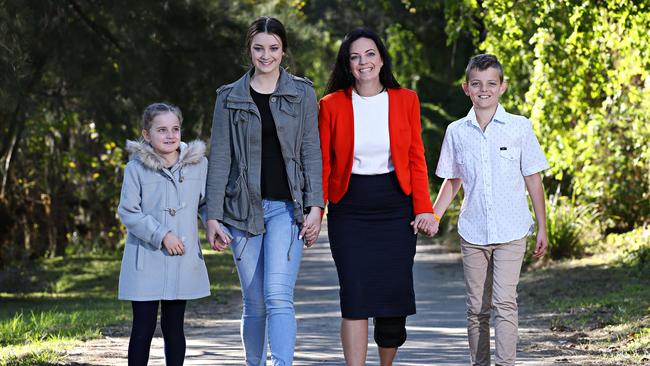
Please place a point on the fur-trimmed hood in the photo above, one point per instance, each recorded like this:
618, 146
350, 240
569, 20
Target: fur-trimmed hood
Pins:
141, 150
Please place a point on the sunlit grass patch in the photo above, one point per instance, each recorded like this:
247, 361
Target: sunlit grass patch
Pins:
640, 339
64, 321
50, 305
597, 305
50, 352
597, 310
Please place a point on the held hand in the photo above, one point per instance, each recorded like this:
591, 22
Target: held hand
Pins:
541, 245
425, 223
173, 245
433, 229
311, 227
217, 238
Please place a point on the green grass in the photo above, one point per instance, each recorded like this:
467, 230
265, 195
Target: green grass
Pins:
39, 353
603, 303
50, 305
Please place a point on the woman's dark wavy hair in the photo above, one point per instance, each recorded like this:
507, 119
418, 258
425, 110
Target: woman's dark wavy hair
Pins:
342, 78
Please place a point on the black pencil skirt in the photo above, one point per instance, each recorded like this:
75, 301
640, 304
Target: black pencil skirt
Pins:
373, 246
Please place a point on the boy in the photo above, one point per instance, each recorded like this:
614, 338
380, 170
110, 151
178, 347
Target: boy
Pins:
493, 155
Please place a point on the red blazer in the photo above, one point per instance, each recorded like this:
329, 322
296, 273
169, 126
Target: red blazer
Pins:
336, 125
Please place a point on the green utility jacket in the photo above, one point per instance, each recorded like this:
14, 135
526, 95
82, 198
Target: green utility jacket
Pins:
233, 189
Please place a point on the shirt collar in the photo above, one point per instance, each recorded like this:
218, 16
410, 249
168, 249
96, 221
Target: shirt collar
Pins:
500, 116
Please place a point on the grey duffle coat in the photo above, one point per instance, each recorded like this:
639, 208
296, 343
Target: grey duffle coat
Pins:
233, 191
156, 200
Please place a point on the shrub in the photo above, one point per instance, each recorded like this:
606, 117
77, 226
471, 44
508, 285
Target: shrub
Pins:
571, 226
632, 248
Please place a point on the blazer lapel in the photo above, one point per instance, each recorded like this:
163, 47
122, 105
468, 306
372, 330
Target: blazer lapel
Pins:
349, 125
393, 121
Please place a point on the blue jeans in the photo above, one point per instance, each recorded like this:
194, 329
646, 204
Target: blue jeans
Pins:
268, 267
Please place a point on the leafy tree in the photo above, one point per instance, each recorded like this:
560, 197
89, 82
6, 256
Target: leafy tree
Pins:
75, 78
581, 71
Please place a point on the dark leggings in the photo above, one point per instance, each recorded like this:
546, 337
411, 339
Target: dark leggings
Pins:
390, 332
145, 314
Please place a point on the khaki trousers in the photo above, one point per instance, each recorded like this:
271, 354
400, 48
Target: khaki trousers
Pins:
491, 278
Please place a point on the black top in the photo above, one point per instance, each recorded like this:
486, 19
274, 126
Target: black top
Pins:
275, 184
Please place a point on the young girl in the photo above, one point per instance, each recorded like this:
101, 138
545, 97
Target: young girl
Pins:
264, 186
163, 189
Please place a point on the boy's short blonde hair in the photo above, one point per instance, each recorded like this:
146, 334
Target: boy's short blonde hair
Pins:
483, 62
157, 109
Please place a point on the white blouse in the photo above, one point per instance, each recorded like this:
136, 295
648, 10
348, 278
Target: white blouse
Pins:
371, 137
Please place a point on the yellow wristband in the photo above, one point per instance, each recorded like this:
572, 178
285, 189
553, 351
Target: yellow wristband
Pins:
436, 216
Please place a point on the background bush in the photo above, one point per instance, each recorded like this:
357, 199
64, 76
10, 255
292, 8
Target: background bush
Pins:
571, 227
632, 248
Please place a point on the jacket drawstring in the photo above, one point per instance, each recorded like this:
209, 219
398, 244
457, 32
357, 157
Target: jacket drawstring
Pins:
241, 252
293, 235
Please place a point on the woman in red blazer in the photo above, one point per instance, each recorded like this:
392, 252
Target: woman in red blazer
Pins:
375, 179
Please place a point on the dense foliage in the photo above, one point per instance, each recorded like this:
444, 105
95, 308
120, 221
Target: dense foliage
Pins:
581, 71
75, 75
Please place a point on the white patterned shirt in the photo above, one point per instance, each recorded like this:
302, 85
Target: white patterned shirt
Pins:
492, 166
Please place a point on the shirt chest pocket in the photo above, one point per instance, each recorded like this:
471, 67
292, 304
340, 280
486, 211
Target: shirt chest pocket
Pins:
510, 159
510, 153
463, 163
465, 156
